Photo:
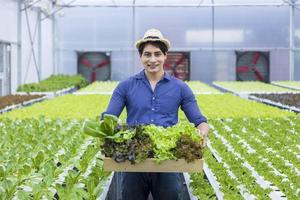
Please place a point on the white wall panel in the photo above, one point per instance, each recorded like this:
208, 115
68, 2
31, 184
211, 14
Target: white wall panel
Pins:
184, 27
121, 65
297, 28
96, 28
279, 62
93, 29
208, 66
8, 34
14, 69
8, 20
236, 28
297, 66
29, 30
68, 62
47, 48
252, 26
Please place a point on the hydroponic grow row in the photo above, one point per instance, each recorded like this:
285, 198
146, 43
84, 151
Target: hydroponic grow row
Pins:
253, 150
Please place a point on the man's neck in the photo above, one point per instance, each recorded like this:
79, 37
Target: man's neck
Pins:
154, 77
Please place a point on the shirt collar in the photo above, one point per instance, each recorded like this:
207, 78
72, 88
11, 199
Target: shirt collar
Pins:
141, 75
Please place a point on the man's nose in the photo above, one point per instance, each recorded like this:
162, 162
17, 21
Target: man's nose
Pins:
152, 59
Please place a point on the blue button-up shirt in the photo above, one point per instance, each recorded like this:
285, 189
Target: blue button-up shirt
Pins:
159, 107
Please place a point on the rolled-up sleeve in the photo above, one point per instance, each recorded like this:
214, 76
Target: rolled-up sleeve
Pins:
117, 101
190, 107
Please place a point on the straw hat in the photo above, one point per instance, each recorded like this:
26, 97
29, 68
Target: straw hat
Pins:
153, 35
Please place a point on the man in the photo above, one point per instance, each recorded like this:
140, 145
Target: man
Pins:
154, 97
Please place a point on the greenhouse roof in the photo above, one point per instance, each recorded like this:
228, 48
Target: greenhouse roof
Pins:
121, 3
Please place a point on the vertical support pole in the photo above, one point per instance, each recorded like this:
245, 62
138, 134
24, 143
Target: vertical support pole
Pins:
54, 44
19, 43
213, 25
8, 51
39, 62
133, 37
292, 44
212, 70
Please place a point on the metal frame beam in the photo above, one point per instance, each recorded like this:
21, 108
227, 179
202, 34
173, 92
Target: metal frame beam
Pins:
175, 5
187, 49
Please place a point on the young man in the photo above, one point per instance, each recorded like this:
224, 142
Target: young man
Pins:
154, 97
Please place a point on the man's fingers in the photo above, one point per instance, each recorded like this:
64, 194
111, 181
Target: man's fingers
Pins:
204, 138
203, 141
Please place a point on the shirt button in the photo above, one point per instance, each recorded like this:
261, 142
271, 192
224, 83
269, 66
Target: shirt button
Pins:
152, 120
153, 109
153, 98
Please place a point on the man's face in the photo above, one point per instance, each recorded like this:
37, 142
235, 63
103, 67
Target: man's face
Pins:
153, 59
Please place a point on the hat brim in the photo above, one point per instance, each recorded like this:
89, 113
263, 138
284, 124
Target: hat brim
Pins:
165, 41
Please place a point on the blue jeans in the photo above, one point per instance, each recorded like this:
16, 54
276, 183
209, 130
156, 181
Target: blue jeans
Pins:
163, 186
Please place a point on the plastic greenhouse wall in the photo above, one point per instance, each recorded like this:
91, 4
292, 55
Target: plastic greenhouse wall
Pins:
189, 29
8, 35
96, 29
40, 31
16, 34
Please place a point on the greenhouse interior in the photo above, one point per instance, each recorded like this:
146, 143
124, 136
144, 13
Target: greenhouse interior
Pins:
95, 93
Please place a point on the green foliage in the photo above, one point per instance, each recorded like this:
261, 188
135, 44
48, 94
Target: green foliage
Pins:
135, 149
29, 147
267, 145
65, 107
293, 84
202, 88
165, 139
230, 106
250, 87
109, 86
100, 86
107, 128
90, 106
135, 144
93, 128
36, 152
201, 187
54, 83
187, 149
108, 124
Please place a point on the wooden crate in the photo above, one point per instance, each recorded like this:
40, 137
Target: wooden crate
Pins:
149, 165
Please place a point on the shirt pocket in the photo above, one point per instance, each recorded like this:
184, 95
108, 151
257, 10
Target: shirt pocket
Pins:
168, 104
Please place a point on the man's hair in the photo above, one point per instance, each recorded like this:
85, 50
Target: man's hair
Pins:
157, 44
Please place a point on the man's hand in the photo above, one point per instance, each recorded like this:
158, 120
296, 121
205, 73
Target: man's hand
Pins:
203, 129
204, 138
